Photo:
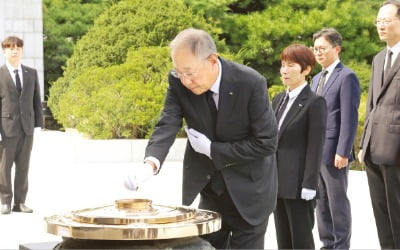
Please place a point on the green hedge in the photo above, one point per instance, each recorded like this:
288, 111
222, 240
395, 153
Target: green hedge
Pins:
120, 101
128, 25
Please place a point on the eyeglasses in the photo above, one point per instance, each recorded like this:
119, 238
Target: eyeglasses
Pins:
384, 22
320, 49
179, 75
188, 75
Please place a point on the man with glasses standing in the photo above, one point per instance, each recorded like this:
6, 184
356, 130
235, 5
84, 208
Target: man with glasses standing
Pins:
380, 142
341, 89
232, 139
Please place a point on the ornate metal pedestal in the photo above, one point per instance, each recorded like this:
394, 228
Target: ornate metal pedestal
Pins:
134, 223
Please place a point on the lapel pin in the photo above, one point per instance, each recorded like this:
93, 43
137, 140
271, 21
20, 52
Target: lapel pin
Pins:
300, 105
230, 93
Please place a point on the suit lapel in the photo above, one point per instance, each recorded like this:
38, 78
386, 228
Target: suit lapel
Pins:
227, 95
393, 70
332, 78
25, 78
377, 75
296, 107
8, 79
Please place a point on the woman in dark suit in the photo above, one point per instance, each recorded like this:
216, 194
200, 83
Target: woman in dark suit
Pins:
301, 117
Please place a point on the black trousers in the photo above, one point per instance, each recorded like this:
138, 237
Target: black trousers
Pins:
384, 189
14, 150
235, 233
294, 222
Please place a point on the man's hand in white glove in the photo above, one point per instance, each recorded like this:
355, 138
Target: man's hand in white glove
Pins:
308, 194
138, 175
199, 142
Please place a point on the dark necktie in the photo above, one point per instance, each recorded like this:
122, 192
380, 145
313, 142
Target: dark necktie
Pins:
321, 82
217, 181
18, 82
282, 108
388, 64
212, 107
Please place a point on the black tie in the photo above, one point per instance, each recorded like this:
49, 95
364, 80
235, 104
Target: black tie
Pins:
212, 107
282, 108
217, 181
321, 82
388, 64
18, 82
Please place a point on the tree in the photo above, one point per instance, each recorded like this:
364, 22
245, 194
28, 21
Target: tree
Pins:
64, 22
119, 101
260, 36
126, 26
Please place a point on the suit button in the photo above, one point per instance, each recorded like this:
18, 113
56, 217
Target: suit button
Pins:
208, 177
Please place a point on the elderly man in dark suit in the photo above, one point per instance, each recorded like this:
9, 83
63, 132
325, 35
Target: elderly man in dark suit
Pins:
341, 89
232, 138
20, 112
380, 143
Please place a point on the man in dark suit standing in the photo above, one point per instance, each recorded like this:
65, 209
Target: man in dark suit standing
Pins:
341, 89
20, 112
380, 142
232, 139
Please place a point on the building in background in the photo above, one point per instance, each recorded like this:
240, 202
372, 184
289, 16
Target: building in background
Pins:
23, 18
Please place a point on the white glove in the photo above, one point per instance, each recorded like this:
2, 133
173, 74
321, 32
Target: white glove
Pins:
199, 142
308, 194
138, 175
37, 130
1, 138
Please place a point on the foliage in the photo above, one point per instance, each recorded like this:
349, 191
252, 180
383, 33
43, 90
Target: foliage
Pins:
363, 72
274, 90
128, 24
64, 22
119, 101
260, 36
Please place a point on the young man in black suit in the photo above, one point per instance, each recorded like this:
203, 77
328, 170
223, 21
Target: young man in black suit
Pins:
232, 138
21, 112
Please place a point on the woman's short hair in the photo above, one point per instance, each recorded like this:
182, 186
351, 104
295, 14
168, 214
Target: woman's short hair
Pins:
299, 54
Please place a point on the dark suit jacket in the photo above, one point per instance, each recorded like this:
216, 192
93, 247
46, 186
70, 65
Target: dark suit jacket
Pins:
382, 122
243, 148
26, 109
300, 143
342, 95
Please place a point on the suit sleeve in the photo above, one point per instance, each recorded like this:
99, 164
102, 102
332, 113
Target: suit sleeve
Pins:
166, 128
37, 105
317, 114
349, 102
368, 106
262, 139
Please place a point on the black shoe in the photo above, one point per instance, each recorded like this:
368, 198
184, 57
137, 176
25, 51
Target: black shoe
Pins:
5, 209
21, 208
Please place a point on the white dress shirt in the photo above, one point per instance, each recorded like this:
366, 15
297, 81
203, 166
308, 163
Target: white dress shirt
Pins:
11, 70
396, 50
292, 97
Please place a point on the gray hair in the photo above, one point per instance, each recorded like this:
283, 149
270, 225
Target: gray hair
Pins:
331, 35
200, 43
395, 3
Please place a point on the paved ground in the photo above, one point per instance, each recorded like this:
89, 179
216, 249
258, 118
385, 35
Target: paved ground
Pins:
59, 184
